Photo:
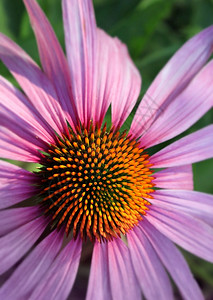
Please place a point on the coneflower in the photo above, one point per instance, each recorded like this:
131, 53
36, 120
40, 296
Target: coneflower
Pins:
96, 182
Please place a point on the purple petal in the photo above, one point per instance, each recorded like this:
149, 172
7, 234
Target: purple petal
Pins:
15, 184
174, 261
175, 178
151, 275
99, 284
196, 204
31, 271
12, 121
104, 85
81, 46
14, 147
53, 62
14, 245
112, 275
57, 282
16, 103
101, 70
184, 110
192, 148
9, 171
187, 231
172, 80
117, 82
10, 219
34, 83
123, 282
127, 83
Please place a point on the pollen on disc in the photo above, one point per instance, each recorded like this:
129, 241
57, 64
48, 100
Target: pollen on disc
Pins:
94, 183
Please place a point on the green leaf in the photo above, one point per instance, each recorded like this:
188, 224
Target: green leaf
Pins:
11, 13
136, 28
108, 13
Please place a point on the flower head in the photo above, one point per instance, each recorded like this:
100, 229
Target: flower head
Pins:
94, 182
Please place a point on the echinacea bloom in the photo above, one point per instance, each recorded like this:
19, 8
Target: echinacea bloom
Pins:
94, 181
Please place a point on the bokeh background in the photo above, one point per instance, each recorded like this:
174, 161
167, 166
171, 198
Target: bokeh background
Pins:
153, 30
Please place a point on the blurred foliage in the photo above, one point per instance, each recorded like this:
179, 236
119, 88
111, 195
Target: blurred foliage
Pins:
153, 30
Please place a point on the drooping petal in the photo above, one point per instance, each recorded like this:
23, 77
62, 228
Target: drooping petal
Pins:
175, 178
34, 83
174, 262
31, 271
172, 80
128, 84
15, 102
14, 245
192, 148
12, 121
10, 219
112, 275
151, 275
17, 148
16, 120
99, 284
104, 84
184, 110
123, 282
23, 129
53, 62
15, 184
101, 70
185, 230
80, 39
9, 171
194, 203
57, 282
117, 82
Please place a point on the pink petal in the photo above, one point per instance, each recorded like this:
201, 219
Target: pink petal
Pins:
175, 178
174, 261
194, 203
112, 275
10, 219
15, 102
104, 85
15, 184
53, 62
80, 39
14, 245
192, 148
151, 275
123, 282
127, 82
12, 121
9, 171
172, 80
99, 284
34, 83
187, 231
17, 148
57, 282
117, 82
184, 111
31, 271
101, 70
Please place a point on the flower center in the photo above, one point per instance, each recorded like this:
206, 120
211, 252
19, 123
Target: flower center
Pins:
94, 183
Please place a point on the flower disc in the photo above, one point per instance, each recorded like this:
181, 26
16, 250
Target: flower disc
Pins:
94, 183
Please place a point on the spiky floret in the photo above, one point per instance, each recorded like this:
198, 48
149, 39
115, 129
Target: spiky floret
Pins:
94, 183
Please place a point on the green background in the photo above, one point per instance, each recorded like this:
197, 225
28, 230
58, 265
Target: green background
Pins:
153, 30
